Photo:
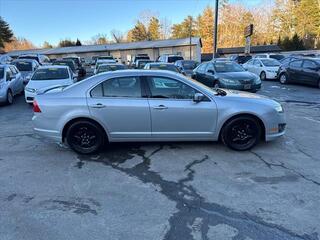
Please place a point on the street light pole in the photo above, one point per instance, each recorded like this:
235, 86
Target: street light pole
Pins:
215, 29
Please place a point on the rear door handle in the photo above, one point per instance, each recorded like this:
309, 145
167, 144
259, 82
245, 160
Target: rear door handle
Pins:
160, 107
98, 105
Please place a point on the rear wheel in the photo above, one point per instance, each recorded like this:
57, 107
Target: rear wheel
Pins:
283, 78
85, 137
9, 97
263, 76
241, 133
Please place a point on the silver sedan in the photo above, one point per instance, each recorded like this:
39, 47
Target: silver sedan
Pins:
153, 105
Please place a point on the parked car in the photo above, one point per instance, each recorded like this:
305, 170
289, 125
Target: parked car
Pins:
137, 57
304, 71
5, 59
40, 58
265, 68
110, 67
186, 66
102, 61
11, 83
229, 75
169, 58
26, 68
105, 58
140, 63
91, 113
48, 76
288, 59
270, 55
80, 69
241, 59
71, 64
163, 66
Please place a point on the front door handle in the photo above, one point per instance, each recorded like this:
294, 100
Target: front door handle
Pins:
160, 107
98, 105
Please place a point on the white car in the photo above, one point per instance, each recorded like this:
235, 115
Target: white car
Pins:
270, 55
102, 61
48, 76
266, 68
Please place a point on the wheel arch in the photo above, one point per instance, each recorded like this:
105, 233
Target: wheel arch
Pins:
71, 121
259, 120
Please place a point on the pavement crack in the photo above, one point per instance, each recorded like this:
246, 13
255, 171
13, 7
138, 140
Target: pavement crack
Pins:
282, 165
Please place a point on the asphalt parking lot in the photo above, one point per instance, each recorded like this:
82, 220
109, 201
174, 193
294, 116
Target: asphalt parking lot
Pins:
164, 191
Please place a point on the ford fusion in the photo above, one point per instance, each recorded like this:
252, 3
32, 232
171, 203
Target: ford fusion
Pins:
153, 105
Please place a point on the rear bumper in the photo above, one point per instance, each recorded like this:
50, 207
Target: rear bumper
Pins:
40, 127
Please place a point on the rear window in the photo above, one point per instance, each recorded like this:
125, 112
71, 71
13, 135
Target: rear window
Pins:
1, 73
50, 74
189, 64
165, 67
106, 68
23, 66
173, 59
69, 64
30, 57
106, 57
269, 62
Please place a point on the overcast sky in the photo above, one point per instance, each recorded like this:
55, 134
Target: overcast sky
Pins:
53, 20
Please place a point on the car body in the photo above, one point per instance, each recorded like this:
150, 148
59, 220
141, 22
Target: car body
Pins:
26, 67
152, 105
137, 57
169, 58
71, 64
102, 61
40, 58
48, 76
163, 66
241, 59
270, 55
106, 67
288, 59
141, 63
5, 59
303, 71
11, 83
186, 66
78, 62
223, 74
265, 68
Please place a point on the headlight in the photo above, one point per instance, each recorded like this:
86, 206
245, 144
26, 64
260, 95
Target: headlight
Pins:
32, 90
257, 80
229, 81
279, 109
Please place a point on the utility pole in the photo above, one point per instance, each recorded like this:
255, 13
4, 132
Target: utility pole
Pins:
215, 29
190, 31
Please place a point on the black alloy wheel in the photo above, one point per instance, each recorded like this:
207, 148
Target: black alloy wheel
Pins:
85, 137
241, 133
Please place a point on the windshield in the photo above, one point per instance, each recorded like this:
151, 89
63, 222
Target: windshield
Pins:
278, 57
106, 57
165, 67
1, 73
106, 68
50, 74
189, 65
29, 57
76, 60
270, 62
69, 64
23, 66
174, 59
227, 67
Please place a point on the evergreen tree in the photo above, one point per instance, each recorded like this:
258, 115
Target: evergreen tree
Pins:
6, 34
46, 45
154, 29
184, 29
78, 43
139, 32
66, 43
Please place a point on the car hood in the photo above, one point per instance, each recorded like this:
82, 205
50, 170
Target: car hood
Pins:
272, 68
237, 75
38, 84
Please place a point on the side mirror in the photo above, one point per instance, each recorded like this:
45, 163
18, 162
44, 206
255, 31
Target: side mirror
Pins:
198, 97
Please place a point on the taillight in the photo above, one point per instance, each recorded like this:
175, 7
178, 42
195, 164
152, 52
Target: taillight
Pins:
36, 107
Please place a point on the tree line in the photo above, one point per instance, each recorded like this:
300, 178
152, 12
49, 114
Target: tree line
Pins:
292, 24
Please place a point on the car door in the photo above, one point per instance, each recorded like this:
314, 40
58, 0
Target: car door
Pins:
14, 82
294, 70
199, 73
174, 114
309, 74
256, 68
209, 76
119, 104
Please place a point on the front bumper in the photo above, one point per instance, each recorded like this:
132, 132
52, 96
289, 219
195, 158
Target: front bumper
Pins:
276, 128
29, 96
271, 75
241, 87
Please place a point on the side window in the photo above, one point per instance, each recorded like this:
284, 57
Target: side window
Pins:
209, 67
256, 63
202, 68
162, 87
8, 75
13, 70
296, 64
309, 64
129, 87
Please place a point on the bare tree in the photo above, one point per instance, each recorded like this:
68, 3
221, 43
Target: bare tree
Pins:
165, 28
117, 36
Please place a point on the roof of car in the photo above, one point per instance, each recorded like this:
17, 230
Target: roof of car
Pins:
111, 64
53, 66
24, 60
160, 63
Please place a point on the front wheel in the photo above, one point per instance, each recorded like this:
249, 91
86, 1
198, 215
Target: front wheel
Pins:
263, 76
85, 137
283, 78
241, 133
9, 97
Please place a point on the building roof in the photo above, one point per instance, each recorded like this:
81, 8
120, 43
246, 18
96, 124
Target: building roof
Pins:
111, 47
253, 49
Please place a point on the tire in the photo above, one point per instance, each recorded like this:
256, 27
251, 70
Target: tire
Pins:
283, 78
9, 97
85, 137
241, 133
263, 76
